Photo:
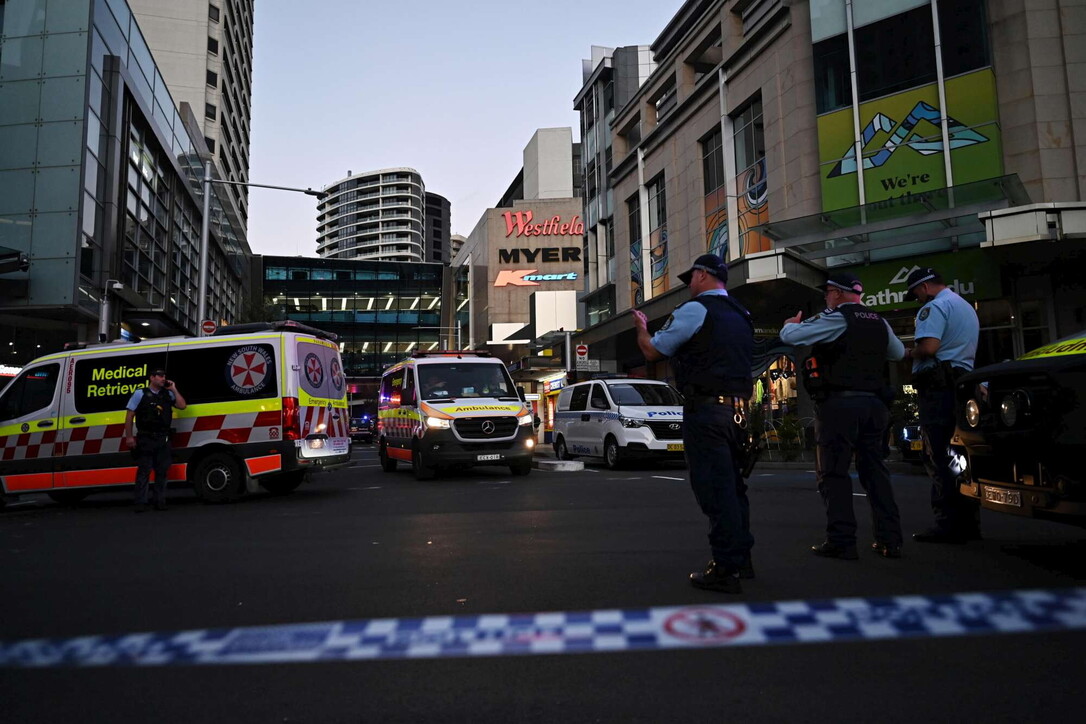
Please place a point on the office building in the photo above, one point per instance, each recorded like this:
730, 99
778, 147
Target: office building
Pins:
204, 50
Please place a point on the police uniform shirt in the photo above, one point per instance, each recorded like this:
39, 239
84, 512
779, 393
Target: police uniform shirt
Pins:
951, 320
828, 326
134, 401
682, 325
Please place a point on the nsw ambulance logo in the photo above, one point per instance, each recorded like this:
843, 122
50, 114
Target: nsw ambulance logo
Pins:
314, 370
247, 369
337, 375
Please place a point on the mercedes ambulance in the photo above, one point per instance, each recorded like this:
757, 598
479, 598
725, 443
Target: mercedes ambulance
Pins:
440, 409
266, 403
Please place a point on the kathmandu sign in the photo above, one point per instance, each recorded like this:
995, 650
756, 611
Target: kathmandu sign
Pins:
521, 223
969, 272
529, 277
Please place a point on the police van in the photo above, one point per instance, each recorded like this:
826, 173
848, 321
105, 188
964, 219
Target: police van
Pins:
442, 409
620, 420
266, 403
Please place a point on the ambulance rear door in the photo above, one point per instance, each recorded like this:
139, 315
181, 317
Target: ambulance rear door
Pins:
29, 420
322, 398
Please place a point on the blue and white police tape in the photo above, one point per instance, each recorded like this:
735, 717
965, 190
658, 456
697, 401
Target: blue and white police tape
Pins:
753, 624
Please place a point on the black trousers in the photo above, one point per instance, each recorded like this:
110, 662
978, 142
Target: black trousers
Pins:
152, 452
954, 513
847, 427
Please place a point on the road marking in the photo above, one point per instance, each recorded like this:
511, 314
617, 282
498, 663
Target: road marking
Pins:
766, 475
664, 477
494, 482
372, 487
859, 495
609, 630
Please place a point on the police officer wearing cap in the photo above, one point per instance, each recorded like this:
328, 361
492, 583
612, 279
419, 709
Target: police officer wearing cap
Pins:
151, 408
947, 332
710, 340
847, 377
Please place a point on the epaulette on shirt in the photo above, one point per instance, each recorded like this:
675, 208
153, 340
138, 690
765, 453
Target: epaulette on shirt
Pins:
820, 315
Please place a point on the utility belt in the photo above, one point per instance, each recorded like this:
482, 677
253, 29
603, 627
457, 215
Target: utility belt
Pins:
940, 377
750, 443
721, 400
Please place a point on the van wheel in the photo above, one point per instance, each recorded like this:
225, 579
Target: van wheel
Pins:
521, 468
422, 471
283, 483
561, 450
612, 453
387, 464
68, 497
217, 479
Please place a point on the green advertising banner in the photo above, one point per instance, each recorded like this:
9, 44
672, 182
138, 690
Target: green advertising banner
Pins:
971, 273
903, 145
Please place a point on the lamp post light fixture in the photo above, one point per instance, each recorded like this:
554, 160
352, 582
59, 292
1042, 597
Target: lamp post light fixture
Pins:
205, 231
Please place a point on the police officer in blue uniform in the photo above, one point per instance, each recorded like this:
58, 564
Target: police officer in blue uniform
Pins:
847, 377
710, 340
947, 332
151, 408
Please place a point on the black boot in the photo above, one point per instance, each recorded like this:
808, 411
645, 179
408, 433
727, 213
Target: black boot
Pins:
829, 550
716, 578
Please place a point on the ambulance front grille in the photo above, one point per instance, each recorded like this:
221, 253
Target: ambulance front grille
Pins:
485, 428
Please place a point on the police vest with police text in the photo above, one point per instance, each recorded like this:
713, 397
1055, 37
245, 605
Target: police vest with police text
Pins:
857, 359
717, 359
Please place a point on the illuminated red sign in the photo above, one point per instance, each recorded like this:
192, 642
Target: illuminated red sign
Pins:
521, 223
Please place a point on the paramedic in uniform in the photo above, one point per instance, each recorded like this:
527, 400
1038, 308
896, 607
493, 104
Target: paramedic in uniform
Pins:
850, 347
947, 332
711, 342
151, 408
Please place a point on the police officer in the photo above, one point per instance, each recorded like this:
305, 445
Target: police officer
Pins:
711, 342
846, 376
947, 331
151, 408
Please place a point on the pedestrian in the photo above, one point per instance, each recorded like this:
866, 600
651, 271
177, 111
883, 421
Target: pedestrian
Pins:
947, 332
710, 340
151, 408
847, 377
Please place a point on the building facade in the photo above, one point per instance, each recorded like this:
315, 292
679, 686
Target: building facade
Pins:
204, 51
744, 141
374, 216
438, 236
98, 186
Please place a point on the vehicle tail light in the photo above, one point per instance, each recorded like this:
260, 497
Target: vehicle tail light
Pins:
292, 419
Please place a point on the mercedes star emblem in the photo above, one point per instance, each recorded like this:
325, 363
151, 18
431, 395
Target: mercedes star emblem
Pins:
488, 427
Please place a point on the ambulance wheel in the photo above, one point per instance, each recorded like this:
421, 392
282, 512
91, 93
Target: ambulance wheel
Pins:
387, 464
612, 453
421, 469
68, 497
283, 483
217, 479
561, 450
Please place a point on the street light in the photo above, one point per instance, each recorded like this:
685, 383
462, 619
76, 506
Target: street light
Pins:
205, 231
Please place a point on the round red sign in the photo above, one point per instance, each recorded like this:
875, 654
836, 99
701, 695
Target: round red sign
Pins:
208, 326
582, 350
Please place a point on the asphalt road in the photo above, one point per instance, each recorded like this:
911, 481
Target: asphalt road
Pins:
359, 543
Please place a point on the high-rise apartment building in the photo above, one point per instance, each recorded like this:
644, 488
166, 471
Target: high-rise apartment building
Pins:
438, 213
204, 50
377, 215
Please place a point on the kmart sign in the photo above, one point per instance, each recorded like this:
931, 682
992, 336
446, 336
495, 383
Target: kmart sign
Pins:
971, 273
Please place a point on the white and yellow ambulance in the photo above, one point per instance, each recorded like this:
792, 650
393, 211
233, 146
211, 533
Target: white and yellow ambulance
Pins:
266, 403
446, 409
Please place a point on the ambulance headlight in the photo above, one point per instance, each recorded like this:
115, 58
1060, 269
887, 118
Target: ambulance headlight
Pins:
438, 423
631, 422
524, 419
972, 413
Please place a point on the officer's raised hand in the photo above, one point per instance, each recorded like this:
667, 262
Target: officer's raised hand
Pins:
640, 320
796, 319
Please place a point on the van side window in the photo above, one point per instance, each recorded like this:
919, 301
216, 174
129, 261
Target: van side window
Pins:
599, 398
579, 400
563, 398
105, 384
30, 392
407, 392
222, 374
391, 386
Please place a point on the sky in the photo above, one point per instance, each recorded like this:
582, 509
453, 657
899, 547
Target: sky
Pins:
454, 90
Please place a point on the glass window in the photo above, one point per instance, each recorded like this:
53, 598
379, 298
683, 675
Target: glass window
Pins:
213, 13
599, 398
963, 32
645, 394
712, 161
895, 54
833, 86
579, 398
657, 203
210, 111
452, 380
212, 45
749, 136
30, 392
275, 272
212, 78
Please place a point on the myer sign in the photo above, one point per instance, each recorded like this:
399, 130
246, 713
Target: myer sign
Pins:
970, 273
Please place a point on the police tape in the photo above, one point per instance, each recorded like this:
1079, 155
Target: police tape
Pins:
700, 626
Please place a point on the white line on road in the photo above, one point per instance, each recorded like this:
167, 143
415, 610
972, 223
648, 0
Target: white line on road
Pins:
493, 482
664, 477
859, 495
372, 487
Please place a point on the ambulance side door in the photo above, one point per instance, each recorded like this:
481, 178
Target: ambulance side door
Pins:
29, 420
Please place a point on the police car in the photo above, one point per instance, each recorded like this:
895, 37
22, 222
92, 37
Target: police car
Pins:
266, 403
1021, 433
620, 420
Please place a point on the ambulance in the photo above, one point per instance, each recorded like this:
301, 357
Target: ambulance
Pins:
452, 409
266, 403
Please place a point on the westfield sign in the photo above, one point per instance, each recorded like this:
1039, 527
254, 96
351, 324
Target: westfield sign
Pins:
521, 223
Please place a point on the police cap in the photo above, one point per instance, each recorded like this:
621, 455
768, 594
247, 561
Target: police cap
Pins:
843, 281
710, 263
918, 277
157, 371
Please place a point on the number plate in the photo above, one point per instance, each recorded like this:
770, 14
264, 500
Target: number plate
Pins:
916, 445
676, 447
1002, 497
482, 458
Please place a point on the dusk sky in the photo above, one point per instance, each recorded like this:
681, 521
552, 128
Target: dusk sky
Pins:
454, 90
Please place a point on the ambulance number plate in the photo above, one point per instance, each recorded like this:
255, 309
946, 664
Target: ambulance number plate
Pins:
484, 458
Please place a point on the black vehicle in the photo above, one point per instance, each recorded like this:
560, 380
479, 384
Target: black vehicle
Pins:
362, 429
909, 443
1021, 433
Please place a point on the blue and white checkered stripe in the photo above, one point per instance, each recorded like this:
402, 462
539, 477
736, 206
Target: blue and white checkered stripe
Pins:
755, 624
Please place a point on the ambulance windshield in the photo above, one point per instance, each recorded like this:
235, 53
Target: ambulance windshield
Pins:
450, 381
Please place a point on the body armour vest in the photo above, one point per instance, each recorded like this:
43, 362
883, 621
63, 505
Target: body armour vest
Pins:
154, 412
857, 359
718, 358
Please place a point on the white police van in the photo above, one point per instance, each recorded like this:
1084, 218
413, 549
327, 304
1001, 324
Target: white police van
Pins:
619, 419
